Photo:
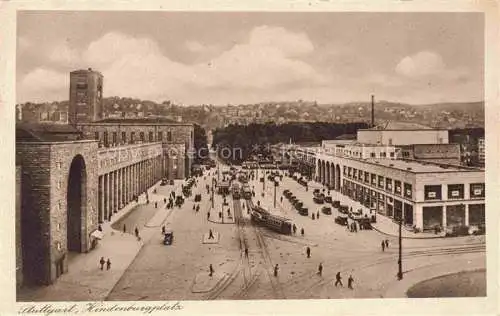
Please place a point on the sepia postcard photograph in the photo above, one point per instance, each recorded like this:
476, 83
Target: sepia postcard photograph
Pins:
167, 158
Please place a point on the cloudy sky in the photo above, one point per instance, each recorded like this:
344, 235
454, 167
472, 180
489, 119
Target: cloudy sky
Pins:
220, 58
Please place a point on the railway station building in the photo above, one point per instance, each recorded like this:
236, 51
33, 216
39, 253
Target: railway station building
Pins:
425, 189
70, 178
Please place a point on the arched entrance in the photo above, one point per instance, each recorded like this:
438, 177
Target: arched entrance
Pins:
337, 178
76, 202
323, 176
319, 171
332, 176
328, 174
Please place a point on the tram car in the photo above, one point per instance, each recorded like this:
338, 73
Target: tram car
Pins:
247, 192
235, 190
263, 217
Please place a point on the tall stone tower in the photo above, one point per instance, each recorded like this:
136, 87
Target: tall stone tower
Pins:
85, 96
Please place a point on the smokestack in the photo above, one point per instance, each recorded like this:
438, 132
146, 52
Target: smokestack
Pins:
373, 110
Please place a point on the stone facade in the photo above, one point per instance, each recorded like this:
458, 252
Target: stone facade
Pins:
85, 96
402, 137
438, 153
45, 173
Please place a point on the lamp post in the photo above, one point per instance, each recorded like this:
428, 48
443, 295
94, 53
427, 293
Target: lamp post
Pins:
213, 189
275, 185
400, 260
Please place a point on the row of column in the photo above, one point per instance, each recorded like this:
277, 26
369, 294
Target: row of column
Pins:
329, 175
119, 187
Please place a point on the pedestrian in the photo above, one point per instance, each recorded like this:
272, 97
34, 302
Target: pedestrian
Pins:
349, 282
246, 251
108, 264
302, 232
208, 216
124, 228
313, 216
136, 232
228, 212
308, 252
387, 243
317, 214
220, 215
276, 268
99, 228
165, 200
294, 229
281, 200
338, 279
383, 245
211, 269
156, 204
210, 234
102, 262
320, 269
197, 208
194, 207
163, 229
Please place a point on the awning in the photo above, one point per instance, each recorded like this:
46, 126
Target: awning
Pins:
97, 234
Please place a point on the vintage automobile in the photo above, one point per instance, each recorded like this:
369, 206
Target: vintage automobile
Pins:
328, 199
341, 220
326, 210
168, 238
164, 181
304, 211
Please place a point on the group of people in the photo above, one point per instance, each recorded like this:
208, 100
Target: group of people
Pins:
384, 244
107, 262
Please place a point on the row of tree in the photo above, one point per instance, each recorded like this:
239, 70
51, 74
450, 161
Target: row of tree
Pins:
236, 143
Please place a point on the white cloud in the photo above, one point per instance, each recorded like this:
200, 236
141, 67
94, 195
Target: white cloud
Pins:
42, 85
421, 64
64, 55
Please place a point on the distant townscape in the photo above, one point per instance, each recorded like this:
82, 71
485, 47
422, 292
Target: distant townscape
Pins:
442, 115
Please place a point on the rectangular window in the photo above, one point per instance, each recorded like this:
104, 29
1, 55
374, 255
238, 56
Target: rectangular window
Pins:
408, 190
124, 137
115, 138
367, 177
160, 136
381, 182
349, 171
355, 173
477, 190
391, 154
106, 140
142, 136
132, 137
432, 192
383, 154
455, 191
374, 179
397, 187
388, 184
372, 155
345, 171
169, 136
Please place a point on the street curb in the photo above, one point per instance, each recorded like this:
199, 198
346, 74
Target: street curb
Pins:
387, 234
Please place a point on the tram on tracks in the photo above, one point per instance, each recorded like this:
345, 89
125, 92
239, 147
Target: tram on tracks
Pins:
261, 216
246, 191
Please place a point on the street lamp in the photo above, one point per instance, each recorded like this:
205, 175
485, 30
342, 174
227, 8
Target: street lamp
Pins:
400, 260
275, 185
213, 189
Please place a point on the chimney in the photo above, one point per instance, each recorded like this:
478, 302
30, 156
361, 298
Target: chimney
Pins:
373, 110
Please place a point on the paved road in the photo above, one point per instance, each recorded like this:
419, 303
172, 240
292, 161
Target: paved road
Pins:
168, 272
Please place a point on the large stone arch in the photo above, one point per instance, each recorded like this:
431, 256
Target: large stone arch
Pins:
337, 177
318, 168
323, 174
76, 199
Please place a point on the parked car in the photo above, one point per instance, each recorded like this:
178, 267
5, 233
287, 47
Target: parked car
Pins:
168, 238
336, 204
328, 199
318, 199
341, 220
304, 211
171, 182
163, 181
298, 205
326, 210
344, 209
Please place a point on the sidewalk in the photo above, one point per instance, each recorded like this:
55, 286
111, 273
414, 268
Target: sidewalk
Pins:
384, 224
84, 280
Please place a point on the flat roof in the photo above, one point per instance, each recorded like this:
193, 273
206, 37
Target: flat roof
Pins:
417, 166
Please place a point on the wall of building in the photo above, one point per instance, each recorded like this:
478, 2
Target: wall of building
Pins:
44, 203
437, 153
19, 249
85, 102
403, 137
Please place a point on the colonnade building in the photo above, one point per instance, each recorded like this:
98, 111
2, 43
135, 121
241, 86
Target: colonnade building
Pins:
424, 193
74, 177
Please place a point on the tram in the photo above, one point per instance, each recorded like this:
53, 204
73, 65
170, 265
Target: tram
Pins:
261, 216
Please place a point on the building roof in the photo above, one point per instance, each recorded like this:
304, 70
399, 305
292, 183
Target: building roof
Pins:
31, 132
391, 125
418, 166
146, 120
346, 137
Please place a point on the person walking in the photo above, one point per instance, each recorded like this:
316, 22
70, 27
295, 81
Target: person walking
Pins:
246, 251
108, 264
210, 234
124, 228
211, 269
294, 229
317, 214
281, 200
387, 243
350, 281
383, 245
208, 216
156, 204
338, 279
165, 200
276, 268
313, 216
308, 252
320, 269
163, 230
102, 262
136, 232
302, 232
